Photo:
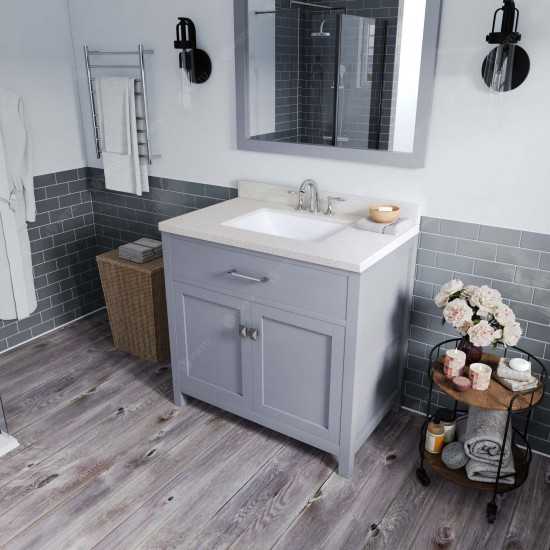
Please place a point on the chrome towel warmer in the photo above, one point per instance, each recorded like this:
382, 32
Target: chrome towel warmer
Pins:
141, 52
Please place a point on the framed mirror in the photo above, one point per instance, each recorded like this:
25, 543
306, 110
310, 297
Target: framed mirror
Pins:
342, 79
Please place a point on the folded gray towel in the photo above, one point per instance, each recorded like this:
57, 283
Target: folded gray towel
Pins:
487, 473
396, 228
484, 434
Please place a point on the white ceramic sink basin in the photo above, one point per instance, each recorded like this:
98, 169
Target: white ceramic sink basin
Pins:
298, 226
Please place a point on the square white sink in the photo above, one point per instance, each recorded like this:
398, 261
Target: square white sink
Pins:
297, 226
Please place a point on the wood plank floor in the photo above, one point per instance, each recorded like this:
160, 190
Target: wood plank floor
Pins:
107, 461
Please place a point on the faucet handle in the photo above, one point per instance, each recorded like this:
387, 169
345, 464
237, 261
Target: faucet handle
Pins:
300, 195
330, 204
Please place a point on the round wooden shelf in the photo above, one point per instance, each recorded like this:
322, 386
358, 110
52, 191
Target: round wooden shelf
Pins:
460, 477
496, 398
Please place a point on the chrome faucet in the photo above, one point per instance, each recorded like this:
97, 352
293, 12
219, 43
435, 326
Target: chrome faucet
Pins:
313, 197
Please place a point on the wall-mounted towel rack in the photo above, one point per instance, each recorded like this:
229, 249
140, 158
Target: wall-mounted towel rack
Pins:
140, 52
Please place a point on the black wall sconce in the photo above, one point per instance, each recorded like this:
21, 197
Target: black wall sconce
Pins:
507, 65
194, 61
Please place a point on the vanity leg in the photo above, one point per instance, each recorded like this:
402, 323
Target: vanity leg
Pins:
346, 462
181, 400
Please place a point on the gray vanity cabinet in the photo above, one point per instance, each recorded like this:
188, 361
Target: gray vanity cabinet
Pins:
308, 351
297, 370
211, 361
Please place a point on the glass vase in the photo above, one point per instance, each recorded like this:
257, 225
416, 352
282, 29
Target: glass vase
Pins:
473, 353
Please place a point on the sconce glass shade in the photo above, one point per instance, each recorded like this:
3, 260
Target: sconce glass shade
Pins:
506, 67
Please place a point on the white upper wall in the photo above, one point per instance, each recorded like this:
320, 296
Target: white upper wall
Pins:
36, 62
488, 155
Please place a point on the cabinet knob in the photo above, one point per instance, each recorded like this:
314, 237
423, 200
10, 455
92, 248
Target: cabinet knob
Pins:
242, 331
252, 333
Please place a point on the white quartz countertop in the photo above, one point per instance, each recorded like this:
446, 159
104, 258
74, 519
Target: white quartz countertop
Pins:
350, 249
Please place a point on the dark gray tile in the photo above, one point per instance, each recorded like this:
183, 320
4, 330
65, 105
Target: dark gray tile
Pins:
44, 180
493, 270
426, 257
424, 290
455, 263
474, 249
532, 313
542, 297
459, 229
57, 190
499, 235
514, 292
545, 261
532, 277
425, 305
433, 275
66, 175
518, 256
535, 241
438, 243
538, 332
473, 279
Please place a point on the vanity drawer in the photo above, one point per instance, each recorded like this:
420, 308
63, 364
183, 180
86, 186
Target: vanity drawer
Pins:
259, 278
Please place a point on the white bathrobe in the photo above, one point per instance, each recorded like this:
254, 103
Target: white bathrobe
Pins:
17, 207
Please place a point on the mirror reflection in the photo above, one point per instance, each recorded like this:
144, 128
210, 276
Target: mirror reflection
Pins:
340, 73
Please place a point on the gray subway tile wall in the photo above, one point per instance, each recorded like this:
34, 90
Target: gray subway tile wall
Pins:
514, 262
63, 250
77, 218
121, 218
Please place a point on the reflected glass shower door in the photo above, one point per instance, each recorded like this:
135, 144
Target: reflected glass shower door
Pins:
356, 105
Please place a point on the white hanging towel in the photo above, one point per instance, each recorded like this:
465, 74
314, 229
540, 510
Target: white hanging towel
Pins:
117, 118
17, 207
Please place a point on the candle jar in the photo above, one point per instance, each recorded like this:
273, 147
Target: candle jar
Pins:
480, 375
454, 363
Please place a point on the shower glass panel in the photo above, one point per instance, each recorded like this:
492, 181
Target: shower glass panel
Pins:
318, 56
360, 78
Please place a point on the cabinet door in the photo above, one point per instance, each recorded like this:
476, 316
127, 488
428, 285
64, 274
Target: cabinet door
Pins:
211, 359
298, 372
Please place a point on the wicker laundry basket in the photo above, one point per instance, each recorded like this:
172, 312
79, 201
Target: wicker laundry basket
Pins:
136, 304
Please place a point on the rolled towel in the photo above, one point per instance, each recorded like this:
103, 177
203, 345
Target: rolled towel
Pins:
396, 228
487, 473
504, 371
484, 434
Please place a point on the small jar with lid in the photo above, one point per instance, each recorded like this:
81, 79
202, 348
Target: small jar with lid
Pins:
435, 437
447, 419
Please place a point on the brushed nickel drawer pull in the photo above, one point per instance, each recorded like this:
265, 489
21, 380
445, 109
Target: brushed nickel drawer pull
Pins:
252, 333
242, 331
234, 273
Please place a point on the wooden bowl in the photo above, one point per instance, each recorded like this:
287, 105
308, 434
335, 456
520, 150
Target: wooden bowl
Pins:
384, 213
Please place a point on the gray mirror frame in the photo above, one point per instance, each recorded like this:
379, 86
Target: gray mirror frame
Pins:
416, 159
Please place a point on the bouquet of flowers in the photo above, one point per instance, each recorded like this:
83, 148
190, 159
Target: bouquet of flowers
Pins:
479, 314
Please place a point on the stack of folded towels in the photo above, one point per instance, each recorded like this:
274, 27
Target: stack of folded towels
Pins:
482, 433
515, 374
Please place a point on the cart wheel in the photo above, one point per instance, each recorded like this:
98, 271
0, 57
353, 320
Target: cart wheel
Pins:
423, 477
492, 510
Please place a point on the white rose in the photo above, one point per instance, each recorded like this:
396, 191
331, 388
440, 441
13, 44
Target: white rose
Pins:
457, 313
470, 290
511, 334
446, 291
482, 334
487, 299
504, 315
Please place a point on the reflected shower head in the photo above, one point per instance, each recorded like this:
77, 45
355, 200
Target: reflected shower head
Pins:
321, 33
